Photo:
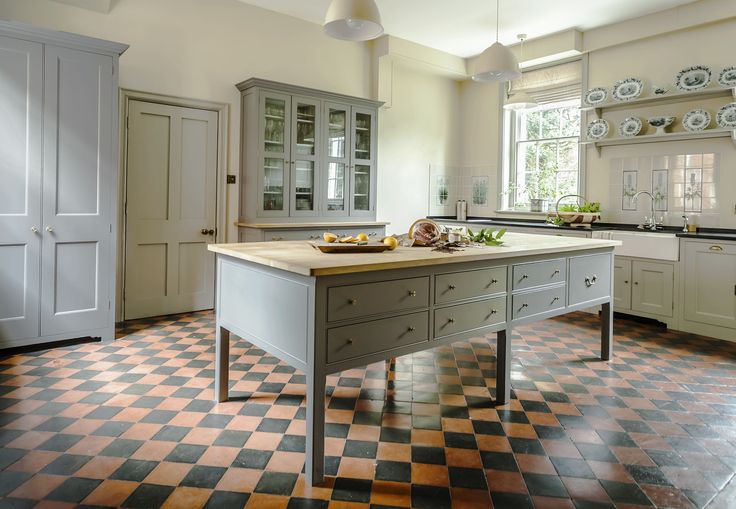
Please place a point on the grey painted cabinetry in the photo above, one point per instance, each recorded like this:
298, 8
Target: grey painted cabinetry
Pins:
306, 154
710, 283
58, 177
646, 287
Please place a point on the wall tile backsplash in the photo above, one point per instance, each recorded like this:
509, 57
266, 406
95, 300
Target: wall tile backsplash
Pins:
447, 184
682, 184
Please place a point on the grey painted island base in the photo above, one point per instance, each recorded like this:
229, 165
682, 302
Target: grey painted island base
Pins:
324, 324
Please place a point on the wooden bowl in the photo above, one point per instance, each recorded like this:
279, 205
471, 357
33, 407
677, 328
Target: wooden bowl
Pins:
435, 227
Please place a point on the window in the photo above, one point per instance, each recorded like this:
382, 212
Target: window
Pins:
545, 153
541, 145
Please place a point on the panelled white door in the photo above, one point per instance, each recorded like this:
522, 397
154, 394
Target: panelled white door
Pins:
77, 206
21, 87
170, 209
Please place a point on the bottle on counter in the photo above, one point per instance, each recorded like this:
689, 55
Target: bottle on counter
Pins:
461, 210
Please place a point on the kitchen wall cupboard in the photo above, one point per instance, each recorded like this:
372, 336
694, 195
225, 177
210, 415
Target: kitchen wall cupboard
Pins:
306, 154
710, 283
58, 178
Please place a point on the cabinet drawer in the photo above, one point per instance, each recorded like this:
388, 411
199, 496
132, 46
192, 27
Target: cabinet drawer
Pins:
367, 299
466, 285
366, 338
538, 302
466, 317
590, 278
275, 235
530, 275
373, 233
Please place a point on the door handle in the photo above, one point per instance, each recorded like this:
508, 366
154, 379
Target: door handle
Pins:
205, 231
49, 229
34, 229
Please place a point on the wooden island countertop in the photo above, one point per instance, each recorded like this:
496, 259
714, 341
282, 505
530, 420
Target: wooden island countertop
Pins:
301, 257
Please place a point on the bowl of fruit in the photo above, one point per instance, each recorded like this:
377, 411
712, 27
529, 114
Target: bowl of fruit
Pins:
575, 213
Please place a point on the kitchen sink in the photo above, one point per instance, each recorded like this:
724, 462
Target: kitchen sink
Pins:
642, 244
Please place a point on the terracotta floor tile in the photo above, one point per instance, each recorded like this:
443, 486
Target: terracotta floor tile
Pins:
432, 475
243, 480
282, 461
262, 501
468, 458
264, 441
535, 464
111, 493
100, 467
463, 498
155, 451
168, 474
37, 487
218, 456
357, 468
585, 489
392, 494
501, 480
33, 461
187, 498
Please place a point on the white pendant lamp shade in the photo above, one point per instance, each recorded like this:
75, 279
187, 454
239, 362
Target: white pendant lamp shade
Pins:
496, 63
353, 20
520, 101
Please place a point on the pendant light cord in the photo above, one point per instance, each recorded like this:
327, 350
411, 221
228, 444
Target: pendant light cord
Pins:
497, 16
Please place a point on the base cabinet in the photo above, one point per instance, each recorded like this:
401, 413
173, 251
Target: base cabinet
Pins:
644, 287
710, 283
273, 235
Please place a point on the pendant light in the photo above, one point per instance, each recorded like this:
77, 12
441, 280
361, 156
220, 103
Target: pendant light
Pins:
496, 63
353, 20
520, 100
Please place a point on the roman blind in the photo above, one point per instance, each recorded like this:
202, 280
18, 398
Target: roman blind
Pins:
550, 84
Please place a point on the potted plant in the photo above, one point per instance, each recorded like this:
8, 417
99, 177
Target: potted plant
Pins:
539, 189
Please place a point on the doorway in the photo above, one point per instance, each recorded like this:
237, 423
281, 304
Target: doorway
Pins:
170, 197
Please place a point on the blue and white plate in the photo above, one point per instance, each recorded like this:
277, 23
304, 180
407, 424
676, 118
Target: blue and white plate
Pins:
595, 96
597, 129
630, 127
726, 116
627, 89
727, 78
695, 121
693, 78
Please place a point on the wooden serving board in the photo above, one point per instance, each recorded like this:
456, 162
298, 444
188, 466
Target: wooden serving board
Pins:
336, 247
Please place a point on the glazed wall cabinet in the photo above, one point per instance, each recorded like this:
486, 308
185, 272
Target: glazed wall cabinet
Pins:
644, 287
58, 178
306, 153
710, 283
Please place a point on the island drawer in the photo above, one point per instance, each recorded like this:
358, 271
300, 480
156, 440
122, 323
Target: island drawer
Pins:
466, 317
355, 301
469, 284
538, 302
531, 275
366, 338
590, 278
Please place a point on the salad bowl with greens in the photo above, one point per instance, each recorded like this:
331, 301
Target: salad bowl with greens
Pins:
575, 213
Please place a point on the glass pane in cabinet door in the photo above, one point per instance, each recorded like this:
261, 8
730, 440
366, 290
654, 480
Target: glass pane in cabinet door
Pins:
275, 125
336, 136
305, 129
363, 136
362, 190
304, 185
336, 186
273, 184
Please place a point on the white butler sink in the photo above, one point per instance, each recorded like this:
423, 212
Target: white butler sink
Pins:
643, 244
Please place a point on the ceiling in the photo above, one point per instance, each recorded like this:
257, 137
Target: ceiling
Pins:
467, 27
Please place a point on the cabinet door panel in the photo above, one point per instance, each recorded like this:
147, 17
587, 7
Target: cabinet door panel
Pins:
710, 283
621, 283
274, 160
653, 287
78, 108
337, 159
21, 70
363, 164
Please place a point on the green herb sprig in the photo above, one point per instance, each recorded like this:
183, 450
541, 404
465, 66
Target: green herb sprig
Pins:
487, 236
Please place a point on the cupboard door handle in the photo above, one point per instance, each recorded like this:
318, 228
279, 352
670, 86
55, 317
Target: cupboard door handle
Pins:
205, 231
716, 247
626, 282
49, 229
590, 281
34, 229
636, 282
277, 238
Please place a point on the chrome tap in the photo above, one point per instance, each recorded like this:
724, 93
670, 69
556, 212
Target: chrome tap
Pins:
651, 223
684, 226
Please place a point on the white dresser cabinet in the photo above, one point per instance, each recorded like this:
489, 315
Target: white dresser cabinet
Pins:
58, 177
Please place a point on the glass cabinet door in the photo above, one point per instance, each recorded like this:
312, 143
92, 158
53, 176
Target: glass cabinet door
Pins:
304, 153
364, 163
275, 159
336, 158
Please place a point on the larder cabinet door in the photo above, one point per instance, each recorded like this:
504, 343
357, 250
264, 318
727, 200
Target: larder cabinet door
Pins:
621, 283
363, 164
306, 117
336, 159
274, 158
710, 283
21, 86
77, 205
653, 287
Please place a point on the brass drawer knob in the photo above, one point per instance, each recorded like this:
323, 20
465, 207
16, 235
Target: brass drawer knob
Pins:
352, 302
525, 305
525, 276
412, 293
494, 281
412, 328
350, 341
494, 311
555, 300
451, 287
450, 320
557, 271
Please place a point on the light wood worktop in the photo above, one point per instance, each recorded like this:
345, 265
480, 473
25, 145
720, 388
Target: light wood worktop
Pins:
300, 257
326, 226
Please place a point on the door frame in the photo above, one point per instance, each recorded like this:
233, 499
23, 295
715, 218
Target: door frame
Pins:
223, 136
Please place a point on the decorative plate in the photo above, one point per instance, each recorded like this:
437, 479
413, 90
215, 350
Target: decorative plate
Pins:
693, 78
630, 127
595, 96
598, 129
627, 89
696, 120
727, 78
726, 116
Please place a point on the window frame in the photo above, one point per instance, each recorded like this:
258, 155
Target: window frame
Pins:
508, 142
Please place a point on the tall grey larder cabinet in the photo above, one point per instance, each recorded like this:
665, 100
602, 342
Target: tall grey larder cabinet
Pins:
58, 185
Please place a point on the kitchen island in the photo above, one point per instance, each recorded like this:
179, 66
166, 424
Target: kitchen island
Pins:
325, 313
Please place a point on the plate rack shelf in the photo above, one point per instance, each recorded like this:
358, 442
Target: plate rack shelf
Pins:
677, 97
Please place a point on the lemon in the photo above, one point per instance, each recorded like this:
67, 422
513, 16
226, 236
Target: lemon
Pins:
362, 237
329, 237
391, 242
347, 240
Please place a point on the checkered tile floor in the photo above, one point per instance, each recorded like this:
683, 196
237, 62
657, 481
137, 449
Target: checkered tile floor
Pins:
133, 424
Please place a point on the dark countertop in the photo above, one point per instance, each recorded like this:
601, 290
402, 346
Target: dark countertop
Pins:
704, 233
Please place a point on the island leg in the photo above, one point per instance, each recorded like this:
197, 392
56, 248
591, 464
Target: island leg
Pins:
503, 367
315, 448
606, 331
222, 363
